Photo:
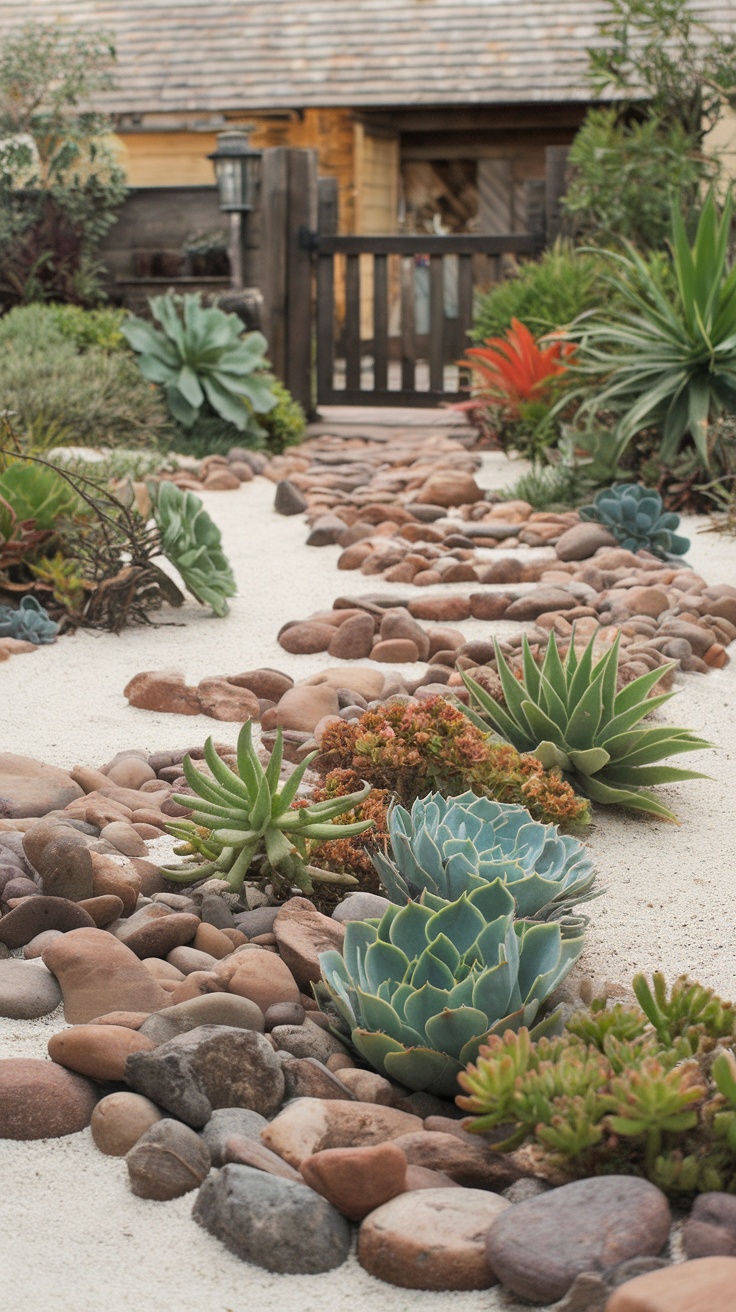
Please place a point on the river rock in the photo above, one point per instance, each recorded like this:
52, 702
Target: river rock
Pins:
27, 990
119, 1120
589, 1225
274, 1223
288, 500
98, 974
431, 1239
227, 1123
162, 690
251, 1152
583, 540
168, 1160
466, 1158
40, 1100
212, 1066
310, 1125
356, 1180
207, 1009
304, 706
704, 1285
155, 932
31, 918
29, 787
97, 1051
710, 1230
302, 933
259, 975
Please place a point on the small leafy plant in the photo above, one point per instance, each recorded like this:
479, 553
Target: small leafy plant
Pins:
417, 992
636, 517
648, 1092
570, 716
239, 816
200, 356
415, 750
515, 369
30, 622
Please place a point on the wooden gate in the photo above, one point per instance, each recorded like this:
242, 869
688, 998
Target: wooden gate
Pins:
393, 314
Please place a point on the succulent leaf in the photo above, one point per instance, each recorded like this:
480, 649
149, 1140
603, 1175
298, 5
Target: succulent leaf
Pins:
635, 516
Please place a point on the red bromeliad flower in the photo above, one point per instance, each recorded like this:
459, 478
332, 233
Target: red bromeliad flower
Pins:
515, 368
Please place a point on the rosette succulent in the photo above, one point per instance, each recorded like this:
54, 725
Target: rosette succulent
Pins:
570, 715
418, 992
636, 517
237, 816
201, 357
30, 622
452, 846
193, 543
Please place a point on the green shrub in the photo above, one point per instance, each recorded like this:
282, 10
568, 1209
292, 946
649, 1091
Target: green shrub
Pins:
89, 328
97, 398
284, 425
545, 294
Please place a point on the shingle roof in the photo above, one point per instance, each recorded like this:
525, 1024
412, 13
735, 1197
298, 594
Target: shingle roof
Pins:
213, 55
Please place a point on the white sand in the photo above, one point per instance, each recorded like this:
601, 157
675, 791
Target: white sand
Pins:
74, 1238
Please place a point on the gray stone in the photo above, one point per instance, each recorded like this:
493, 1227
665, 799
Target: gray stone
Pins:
215, 911
360, 906
231, 1123
274, 1223
209, 1009
27, 990
307, 1078
167, 1161
258, 921
288, 499
307, 1040
710, 1230
538, 1247
583, 540
210, 1067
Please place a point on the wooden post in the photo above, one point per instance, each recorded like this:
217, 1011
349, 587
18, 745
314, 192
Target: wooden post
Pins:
301, 222
555, 188
272, 279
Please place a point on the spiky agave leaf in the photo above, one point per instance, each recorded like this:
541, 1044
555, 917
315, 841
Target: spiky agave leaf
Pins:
569, 714
450, 846
236, 815
419, 991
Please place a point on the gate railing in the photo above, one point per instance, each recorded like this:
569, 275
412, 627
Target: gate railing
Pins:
392, 325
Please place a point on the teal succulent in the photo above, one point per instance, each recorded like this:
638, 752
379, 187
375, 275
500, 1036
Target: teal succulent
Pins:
30, 622
193, 543
238, 816
635, 516
201, 358
450, 846
418, 992
569, 714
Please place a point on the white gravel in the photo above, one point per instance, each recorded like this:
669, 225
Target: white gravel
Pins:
75, 1239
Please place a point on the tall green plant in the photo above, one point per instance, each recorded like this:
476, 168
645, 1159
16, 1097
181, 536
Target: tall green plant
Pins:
669, 359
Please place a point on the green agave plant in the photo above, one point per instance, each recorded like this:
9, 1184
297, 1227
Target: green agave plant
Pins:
236, 816
570, 715
669, 359
419, 991
636, 517
36, 492
200, 355
450, 846
193, 543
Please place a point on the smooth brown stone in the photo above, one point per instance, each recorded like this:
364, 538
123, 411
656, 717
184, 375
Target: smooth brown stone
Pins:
259, 975
97, 974
40, 1100
431, 1239
97, 1051
356, 1180
248, 1152
167, 1161
310, 1125
38, 914
104, 909
302, 934
119, 1120
706, 1284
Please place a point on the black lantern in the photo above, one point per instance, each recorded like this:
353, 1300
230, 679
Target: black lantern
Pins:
238, 170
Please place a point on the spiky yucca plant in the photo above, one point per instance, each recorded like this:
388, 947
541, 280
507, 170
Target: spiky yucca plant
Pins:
237, 815
570, 715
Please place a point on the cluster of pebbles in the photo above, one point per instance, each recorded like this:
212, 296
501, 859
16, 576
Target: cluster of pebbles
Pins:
193, 1049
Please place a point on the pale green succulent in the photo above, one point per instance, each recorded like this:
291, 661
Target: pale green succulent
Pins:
419, 991
193, 543
636, 517
236, 817
454, 845
569, 715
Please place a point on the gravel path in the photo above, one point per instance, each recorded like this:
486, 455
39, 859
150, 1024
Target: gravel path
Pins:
75, 1239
